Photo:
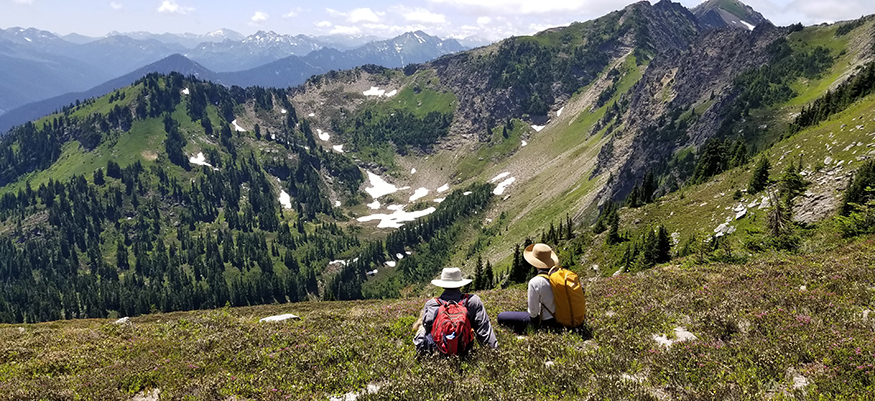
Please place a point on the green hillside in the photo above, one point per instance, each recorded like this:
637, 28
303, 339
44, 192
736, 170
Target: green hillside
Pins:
782, 327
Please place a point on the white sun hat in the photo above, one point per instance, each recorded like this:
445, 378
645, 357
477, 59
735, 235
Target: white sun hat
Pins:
451, 277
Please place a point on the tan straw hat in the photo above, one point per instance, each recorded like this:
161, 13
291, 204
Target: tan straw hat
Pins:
451, 277
541, 256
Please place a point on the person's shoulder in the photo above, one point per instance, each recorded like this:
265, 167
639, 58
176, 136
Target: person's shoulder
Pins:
538, 279
474, 298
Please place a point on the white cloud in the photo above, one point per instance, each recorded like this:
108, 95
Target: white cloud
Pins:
424, 16
484, 20
24, 1
293, 13
818, 11
172, 7
324, 24
345, 30
526, 7
116, 6
363, 15
259, 17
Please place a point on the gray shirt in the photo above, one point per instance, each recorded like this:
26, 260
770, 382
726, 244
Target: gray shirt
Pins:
540, 294
476, 315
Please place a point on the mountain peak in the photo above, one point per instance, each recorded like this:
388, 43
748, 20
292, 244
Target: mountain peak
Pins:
732, 13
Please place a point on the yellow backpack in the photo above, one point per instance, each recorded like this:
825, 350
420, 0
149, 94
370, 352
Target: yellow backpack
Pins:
568, 293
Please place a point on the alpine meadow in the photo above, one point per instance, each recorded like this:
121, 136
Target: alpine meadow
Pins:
265, 233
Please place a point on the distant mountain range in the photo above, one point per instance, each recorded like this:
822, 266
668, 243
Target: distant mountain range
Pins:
411, 47
38, 65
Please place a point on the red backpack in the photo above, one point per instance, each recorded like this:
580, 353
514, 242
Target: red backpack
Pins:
451, 329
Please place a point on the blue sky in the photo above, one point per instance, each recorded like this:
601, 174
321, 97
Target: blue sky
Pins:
489, 19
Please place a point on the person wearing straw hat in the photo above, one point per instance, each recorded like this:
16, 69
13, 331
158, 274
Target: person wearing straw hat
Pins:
451, 281
540, 293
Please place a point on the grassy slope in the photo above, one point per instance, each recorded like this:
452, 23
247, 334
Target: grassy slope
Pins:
761, 327
563, 186
699, 209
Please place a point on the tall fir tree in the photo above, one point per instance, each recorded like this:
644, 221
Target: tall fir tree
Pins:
760, 178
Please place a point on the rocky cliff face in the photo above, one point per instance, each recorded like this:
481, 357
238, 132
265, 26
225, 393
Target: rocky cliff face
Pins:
501, 81
695, 85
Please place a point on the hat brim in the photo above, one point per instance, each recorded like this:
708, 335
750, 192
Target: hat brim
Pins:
451, 284
529, 256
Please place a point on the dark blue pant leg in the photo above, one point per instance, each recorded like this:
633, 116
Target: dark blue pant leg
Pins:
517, 321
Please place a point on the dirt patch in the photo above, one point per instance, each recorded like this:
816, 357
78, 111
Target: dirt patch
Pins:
149, 155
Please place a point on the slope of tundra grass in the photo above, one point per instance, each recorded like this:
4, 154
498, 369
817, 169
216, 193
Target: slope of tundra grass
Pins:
784, 327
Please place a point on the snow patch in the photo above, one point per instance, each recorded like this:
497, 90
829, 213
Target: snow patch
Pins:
524, 143
396, 219
123, 320
200, 160
439, 200
336, 203
419, 193
399, 256
338, 148
443, 188
279, 318
559, 112
311, 115
499, 177
285, 199
374, 205
284, 111
185, 91
379, 186
499, 189
538, 128
237, 127
391, 263
390, 94
467, 193
395, 207
323, 135
748, 25
413, 171
374, 91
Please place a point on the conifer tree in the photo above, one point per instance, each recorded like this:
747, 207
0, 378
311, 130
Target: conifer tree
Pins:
760, 179
856, 192
488, 277
663, 245
478, 275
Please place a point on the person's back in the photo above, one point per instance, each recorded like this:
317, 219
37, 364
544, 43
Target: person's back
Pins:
540, 300
452, 281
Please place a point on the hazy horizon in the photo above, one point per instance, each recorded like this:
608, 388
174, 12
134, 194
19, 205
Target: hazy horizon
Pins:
487, 19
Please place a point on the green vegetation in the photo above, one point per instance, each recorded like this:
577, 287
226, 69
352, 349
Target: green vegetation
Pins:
795, 328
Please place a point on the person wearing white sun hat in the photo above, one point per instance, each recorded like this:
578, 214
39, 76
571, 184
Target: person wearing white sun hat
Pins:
451, 280
541, 302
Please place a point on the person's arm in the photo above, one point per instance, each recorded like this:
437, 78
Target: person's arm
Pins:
534, 299
482, 327
419, 339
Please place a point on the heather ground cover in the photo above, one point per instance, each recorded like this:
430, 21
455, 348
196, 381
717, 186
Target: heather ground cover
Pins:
782, 327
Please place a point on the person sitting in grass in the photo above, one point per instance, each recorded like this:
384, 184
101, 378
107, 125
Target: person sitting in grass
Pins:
449, 322
541, 304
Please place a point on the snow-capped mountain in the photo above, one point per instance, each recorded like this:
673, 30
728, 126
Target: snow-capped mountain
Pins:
408, 48
254, 50
187, 40
35, 38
